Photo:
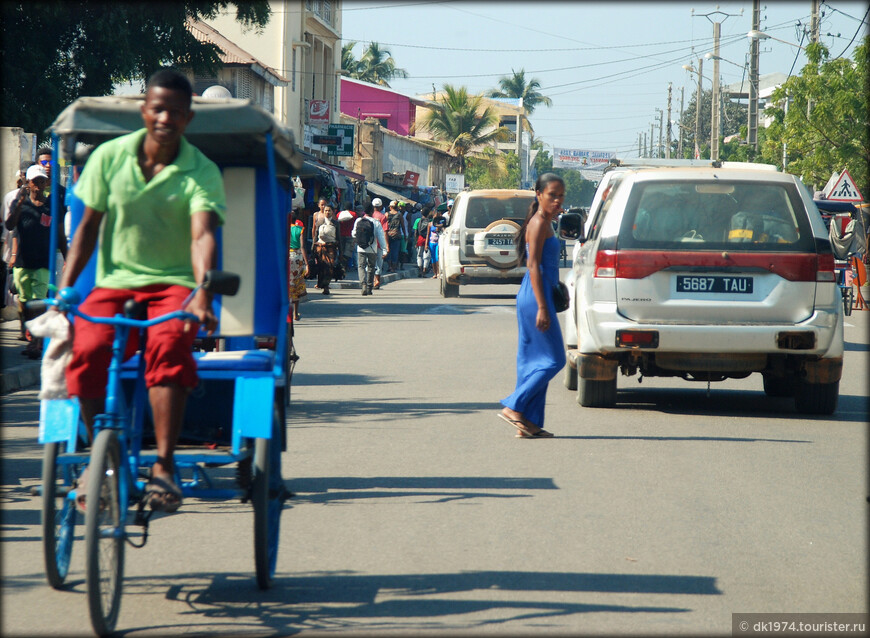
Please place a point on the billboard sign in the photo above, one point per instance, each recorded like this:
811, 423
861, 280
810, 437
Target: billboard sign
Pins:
580, 159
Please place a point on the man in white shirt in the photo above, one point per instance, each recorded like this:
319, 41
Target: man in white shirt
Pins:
10, 238
371, 243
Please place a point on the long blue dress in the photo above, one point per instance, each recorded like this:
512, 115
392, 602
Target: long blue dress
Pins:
540, 355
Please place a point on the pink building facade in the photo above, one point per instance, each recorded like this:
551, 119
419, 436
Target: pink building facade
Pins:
362, 100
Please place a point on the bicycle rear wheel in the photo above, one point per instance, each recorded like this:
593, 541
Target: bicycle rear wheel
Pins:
268, 500
58, 516
104, 533
260, 500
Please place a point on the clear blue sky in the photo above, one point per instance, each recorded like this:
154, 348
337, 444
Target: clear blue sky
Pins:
606, 65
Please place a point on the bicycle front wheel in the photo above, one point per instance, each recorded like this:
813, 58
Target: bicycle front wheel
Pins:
104, 533
58, 516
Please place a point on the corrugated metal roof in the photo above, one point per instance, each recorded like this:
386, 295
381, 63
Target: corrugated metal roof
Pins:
231, 53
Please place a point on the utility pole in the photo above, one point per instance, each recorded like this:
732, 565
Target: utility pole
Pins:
651, 138
714, 117
661, 131
639, 145
520, 140
670, 131
696, 154
644, 145
815, 22
680, 121
752, 128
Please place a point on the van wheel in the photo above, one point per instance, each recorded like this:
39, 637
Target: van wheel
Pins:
570, 378
778, 386
596, 394
816, 398
449, 290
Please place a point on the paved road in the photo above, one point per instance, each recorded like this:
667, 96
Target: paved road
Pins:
417, 510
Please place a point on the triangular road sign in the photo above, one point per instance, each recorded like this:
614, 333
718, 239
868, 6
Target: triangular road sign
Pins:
845, 189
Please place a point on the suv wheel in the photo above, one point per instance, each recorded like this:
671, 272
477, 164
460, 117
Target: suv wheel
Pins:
570, 378
448, 290
596, 394
778, 386
816, 398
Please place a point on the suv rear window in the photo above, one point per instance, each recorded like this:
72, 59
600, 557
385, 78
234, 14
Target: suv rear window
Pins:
482, 211
716, 215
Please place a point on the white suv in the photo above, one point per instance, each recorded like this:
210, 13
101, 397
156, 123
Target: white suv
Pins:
705, 272
478, 244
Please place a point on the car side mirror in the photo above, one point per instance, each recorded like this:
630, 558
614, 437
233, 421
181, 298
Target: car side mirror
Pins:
221, 282
571, 226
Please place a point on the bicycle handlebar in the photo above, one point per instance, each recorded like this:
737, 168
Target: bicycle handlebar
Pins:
69, 303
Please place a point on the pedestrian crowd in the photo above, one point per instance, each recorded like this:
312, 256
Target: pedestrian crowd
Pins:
395, 234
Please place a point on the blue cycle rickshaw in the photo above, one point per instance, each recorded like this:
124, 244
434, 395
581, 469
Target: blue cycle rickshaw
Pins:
237, 413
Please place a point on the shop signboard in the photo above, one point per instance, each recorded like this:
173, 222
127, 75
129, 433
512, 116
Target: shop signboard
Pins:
455, 182
411, 178
343, 136
318, 110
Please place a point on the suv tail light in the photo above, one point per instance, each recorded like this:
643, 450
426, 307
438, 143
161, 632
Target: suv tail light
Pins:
637, 338
605, 263
453, 237
638, 264
825, 267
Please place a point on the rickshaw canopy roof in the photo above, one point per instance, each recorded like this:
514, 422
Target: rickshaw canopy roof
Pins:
227, 130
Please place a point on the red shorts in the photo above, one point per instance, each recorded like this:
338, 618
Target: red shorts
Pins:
168, 351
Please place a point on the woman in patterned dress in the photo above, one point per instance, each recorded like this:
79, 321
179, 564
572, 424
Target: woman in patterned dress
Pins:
297, 261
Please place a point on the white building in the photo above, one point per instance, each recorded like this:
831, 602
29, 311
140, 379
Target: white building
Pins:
302, 43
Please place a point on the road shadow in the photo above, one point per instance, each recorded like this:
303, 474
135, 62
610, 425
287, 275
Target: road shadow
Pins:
856, 347
434, 489
382, 409
346, 601
735, 403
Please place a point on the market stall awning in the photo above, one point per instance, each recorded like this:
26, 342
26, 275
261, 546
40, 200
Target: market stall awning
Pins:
383, 191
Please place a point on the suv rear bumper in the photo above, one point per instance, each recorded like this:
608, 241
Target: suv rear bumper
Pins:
599, 336
483, 274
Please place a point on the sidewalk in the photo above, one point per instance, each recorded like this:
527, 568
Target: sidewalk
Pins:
17, 372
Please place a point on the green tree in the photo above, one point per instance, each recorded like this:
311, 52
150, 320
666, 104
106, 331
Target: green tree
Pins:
825, 125
460, 125
734, 116
55, 52
492, 169
516, 86
377, 66
348, 62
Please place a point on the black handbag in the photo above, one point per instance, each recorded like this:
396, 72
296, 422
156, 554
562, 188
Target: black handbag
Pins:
561, 297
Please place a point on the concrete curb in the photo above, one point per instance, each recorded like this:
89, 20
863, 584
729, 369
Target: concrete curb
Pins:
19, 377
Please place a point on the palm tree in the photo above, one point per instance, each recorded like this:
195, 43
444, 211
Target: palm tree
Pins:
348, 62
516, 86
459, 124
376, 66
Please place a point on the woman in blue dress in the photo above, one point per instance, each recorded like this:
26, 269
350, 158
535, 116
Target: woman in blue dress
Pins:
541, 351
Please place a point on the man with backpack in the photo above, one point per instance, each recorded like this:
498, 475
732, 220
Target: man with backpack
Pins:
421, 234
395, 233
370, 243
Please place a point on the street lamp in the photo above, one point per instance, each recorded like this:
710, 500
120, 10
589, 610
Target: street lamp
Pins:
700, 74
761, 35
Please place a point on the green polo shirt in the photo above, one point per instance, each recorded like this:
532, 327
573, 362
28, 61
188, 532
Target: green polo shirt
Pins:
145, 237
